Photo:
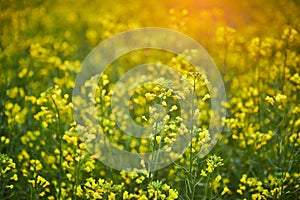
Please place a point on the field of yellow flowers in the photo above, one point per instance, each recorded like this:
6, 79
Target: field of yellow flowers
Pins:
256, 46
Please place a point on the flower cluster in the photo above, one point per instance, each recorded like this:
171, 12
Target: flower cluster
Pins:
45, 154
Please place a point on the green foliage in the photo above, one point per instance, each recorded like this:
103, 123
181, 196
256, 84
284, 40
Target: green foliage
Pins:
42, 45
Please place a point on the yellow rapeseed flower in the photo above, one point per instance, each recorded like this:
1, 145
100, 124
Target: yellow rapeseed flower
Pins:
12, 93
270, 100
14, 177
225, 191
158, 139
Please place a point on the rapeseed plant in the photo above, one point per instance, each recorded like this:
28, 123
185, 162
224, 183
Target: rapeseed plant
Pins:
43, 156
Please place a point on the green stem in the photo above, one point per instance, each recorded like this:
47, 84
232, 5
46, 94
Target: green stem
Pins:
60, 148
153, 149
191, 179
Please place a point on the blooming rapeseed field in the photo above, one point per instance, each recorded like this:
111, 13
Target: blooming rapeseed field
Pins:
256, 46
